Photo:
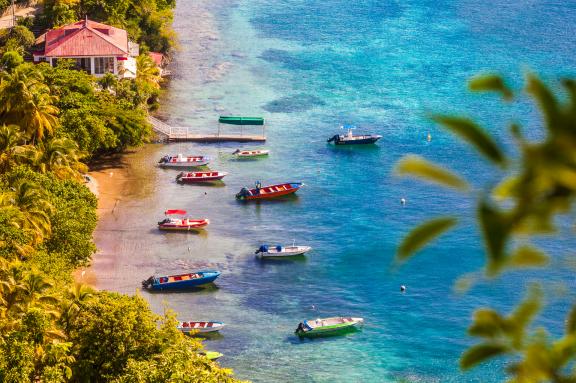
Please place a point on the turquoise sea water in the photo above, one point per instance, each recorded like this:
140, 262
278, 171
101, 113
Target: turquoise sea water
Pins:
309, 66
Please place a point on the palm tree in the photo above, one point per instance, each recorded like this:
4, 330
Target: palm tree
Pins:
26, 100
10, 138
32, 202
58, 155
147, 72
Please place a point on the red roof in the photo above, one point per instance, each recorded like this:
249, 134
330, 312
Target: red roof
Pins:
156, 57
86, 38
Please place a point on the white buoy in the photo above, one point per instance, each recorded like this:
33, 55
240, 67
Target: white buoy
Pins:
403, 201
429, 137
403, 288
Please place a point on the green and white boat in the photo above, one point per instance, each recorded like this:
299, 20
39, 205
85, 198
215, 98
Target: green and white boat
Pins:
328, 326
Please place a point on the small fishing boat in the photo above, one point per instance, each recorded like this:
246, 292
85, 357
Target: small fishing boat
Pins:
279, 251
180, 161
182, 224
194, 177
251, 153
265, 192
180, 281
212, 355
351, 139
200, 327
327, 326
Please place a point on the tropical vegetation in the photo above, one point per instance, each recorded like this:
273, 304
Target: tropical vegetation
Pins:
530, 200
52, 122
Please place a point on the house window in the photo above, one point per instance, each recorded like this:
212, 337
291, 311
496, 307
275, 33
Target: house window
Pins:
83, 64
103, 65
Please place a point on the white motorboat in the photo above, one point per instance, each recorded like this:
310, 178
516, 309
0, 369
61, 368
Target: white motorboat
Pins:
181, 161
278, 251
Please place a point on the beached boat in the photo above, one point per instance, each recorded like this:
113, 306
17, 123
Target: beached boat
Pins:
212, 355
279, 251
351, 139
265, 192
182, 224
251, 153
181, 281
194, 177
328, 326
180, 161
200, 327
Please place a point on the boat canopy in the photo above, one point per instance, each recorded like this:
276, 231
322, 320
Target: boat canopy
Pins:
174, 211
232, 120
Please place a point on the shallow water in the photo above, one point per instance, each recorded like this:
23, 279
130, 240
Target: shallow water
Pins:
309, 66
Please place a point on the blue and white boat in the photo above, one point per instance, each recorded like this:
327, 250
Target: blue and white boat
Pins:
351, 139
180, 281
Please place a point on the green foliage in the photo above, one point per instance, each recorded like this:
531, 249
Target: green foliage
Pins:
525, 203
423, 234
419, 167
11, 60
17, 39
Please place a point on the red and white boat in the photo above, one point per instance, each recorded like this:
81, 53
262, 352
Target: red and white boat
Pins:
265, 192
180, 161
200, 327
182, 224
193, 177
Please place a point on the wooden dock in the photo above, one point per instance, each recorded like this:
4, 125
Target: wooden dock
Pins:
172, 133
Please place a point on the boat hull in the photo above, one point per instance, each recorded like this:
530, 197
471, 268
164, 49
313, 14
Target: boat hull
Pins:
183, 165
350, 325
201, 327
200, 225
287, 252
276, 191
363, 141
200, 177
164, 283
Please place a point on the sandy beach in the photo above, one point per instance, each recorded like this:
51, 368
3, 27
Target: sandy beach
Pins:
109, 182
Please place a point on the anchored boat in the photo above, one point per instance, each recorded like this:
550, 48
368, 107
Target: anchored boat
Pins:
265, 192
279, 251
195, 177
182, 224
181, 281
251, 153
351, 139
200, 327
180, 161
327, 326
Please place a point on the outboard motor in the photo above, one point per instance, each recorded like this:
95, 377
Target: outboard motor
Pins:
243, 193
165, 220
179, 176
334, 138
262, 249
148, 282
300, 328
236, 151
163, 160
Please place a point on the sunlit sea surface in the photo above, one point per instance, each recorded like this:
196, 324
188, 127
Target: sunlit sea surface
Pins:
308, 67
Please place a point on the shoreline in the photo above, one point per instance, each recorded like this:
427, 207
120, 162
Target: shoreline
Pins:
109, 177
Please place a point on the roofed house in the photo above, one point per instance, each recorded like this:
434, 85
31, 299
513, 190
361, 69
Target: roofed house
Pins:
97, 48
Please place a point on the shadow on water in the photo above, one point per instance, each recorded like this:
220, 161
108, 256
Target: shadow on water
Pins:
353, 149
262, 262
208, 336
174, 233
327, 337
290, 198
210, 184
206, 289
